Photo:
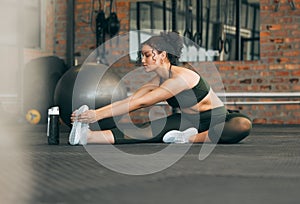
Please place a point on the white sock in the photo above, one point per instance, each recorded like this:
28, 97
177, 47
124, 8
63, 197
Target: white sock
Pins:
83, 134
79, 129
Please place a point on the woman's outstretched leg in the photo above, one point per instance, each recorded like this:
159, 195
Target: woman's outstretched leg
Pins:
200, 137
100, 137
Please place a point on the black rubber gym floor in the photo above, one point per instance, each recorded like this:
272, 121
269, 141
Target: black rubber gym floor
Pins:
264, 168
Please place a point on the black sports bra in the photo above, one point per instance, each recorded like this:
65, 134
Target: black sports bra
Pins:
190, 97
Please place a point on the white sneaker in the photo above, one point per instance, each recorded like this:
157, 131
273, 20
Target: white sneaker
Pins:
176, 136
78, 134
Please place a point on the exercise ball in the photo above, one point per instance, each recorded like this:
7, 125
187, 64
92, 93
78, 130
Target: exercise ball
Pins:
92, 84
40, 78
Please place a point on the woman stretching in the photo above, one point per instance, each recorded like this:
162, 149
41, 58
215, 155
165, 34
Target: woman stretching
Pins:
202, 116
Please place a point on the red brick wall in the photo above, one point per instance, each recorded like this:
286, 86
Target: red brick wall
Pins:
60, 37
278, 70
85, 41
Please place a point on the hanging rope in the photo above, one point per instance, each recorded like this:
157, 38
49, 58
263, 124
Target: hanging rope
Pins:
100, 26
223, 41
188, 32
93, 11
207, 23
199, 19
113, 23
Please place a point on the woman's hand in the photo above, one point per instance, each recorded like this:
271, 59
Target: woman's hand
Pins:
88, 116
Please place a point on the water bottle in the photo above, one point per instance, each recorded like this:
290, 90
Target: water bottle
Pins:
53, 126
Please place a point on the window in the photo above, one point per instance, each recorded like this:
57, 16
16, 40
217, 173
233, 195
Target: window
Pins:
213, 20
33, 24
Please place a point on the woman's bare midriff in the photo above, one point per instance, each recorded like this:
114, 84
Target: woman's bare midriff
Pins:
209, 102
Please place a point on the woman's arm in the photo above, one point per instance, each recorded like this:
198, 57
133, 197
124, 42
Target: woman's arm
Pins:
91, 116
148, 95
168, 89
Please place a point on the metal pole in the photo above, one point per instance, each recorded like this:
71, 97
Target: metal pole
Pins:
70, 33
260, 94
151, 16
164, 15
238, 30
249, 103
138, 16
138, 27
262, 102
253, 33
174, 11
255, 95
20, 47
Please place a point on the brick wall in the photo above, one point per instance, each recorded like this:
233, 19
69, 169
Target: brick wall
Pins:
85, 41
60, 37
278, 70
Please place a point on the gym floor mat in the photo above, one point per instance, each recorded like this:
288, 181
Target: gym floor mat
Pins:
264, 168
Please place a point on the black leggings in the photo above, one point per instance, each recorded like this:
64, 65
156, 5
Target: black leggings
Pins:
224, 127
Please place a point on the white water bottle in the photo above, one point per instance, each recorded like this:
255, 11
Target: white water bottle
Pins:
53, 126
